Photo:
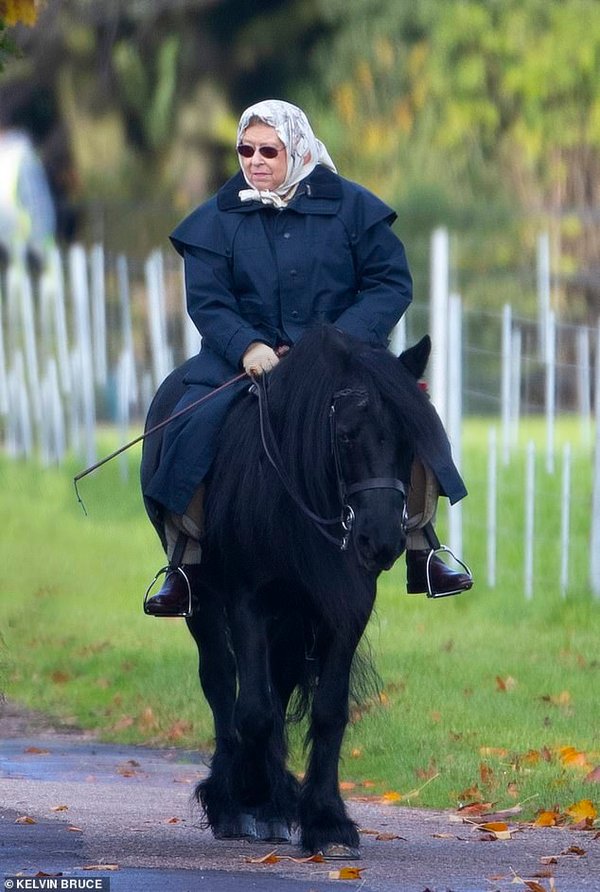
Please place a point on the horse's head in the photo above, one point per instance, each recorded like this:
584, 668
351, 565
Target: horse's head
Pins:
374, 454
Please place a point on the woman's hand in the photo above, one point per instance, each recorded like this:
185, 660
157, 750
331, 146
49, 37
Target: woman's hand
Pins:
259, 358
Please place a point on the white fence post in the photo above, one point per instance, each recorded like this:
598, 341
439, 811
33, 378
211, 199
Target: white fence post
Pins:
595, 525
454, 412
550, 390
97, 279
438, 320
565, 519
492, 507
529, 519
83, 370
157, 317
543, 289
192, 339
505, 390
583, 383
3, 369
514, 410
398, 338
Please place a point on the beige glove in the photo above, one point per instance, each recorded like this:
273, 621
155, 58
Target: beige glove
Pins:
259, 358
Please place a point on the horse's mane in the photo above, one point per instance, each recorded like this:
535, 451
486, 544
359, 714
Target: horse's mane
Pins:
251, 520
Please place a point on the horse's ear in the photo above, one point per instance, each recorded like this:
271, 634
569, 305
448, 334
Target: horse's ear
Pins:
415, 358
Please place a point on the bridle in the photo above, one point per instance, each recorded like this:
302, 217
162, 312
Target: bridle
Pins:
346, 517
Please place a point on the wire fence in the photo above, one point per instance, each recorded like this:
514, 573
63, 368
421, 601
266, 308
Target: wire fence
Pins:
88, 340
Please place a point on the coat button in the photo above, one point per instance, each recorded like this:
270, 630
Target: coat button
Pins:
287, 234
294, 314
293, 272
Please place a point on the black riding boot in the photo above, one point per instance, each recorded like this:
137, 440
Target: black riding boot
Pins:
442, 580
174, 597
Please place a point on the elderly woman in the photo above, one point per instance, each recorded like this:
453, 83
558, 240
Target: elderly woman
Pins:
284, 244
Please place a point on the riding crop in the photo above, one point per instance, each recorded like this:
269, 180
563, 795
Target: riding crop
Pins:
150, 431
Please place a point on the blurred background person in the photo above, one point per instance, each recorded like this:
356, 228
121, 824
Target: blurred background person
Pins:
27, 211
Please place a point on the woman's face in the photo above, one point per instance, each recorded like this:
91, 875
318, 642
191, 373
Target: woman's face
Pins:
264, 173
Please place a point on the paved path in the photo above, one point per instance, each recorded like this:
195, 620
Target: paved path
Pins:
96, 804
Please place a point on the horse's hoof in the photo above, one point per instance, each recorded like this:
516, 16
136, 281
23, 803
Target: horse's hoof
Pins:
340, 852
273, 832
243, 827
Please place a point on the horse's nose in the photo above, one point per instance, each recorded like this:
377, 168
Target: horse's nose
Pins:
378, 556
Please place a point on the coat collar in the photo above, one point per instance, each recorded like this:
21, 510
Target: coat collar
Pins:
320, 192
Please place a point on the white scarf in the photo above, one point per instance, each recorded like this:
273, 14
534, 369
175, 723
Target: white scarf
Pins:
304, 150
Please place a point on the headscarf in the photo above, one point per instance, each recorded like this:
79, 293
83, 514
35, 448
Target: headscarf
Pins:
295, 132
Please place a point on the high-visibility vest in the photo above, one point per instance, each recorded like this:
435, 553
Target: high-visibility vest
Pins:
15, 223
27, 216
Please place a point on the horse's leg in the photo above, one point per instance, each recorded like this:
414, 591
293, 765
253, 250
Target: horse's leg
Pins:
324, 821
258, 770
286, 670
217, 671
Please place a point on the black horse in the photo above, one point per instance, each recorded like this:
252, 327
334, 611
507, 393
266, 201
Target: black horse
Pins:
305, 506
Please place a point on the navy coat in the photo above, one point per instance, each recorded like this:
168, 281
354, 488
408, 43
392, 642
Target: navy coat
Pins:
256, 273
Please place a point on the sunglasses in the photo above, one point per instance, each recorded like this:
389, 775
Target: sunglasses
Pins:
266, 151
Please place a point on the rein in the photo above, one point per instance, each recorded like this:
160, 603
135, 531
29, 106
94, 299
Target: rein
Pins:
346, 517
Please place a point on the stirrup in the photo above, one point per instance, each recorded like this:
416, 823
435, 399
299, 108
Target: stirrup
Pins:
165, 571
444, 549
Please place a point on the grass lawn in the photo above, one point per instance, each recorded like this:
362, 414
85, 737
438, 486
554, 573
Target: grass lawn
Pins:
487, 695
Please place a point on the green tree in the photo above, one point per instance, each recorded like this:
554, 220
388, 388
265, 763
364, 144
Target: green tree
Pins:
484, 103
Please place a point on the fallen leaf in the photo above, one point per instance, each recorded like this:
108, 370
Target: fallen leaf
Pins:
391, 796
387, 837
60, 808
593, 777
346, 873
173, 821
36, 751
356, 753
562, 699
493, 751
60, 677
314, 859
574, 850
486, 774
583, 810
147, 720
505, 684
546, 819
179, 729
25, 819
42, 873
499, 829
101, 867
572, 757
347, 785
73, 829
535, 886
475, 808
269, 858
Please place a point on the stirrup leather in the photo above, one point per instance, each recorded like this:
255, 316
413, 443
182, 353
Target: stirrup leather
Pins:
443, 549
166, 571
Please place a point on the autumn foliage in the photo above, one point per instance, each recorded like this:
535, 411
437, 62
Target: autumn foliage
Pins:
13, 12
